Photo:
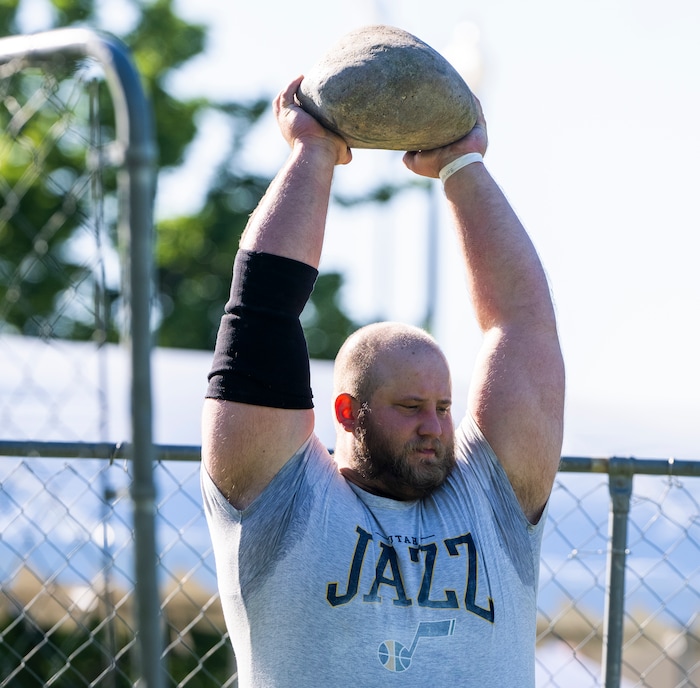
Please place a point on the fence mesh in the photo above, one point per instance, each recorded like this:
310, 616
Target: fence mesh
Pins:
661, 644
66, 565
51, 234
67, 603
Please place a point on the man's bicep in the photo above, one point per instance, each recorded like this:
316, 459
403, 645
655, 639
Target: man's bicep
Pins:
244, 446
517, 399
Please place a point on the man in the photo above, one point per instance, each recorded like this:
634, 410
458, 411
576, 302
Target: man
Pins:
411, 556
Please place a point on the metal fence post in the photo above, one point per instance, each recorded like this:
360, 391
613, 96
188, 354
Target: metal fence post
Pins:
621, 475
138, 187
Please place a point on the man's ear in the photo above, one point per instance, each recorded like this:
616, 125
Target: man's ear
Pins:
346, 408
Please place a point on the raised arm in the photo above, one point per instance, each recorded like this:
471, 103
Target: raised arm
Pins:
517, 390
258, 413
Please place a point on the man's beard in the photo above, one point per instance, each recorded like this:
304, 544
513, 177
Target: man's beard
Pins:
377, 458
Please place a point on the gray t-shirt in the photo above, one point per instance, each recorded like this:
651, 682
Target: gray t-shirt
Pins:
323, 584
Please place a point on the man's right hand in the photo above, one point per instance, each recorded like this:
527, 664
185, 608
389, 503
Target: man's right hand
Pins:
428, 163
299, 127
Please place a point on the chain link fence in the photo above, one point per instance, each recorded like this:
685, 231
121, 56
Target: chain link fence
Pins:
66, 566
650, 607
70, 608
76, 184
67, 601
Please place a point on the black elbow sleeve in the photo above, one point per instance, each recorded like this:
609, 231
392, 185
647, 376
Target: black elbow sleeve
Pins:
261, 355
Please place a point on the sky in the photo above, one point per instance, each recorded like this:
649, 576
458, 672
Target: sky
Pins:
592, 110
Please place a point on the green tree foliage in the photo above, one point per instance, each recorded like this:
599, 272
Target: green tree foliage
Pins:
43, 277
42, 182
47, 189
195, 255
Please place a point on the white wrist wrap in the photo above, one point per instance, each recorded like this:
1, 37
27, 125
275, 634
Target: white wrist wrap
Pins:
467, 159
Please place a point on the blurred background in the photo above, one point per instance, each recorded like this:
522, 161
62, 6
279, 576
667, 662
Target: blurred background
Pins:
592, 110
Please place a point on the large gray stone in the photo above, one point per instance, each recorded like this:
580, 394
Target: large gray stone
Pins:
381, 87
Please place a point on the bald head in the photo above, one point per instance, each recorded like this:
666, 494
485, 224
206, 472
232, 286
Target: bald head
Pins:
373, 352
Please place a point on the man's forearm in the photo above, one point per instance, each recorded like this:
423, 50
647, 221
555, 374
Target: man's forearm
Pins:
290, 219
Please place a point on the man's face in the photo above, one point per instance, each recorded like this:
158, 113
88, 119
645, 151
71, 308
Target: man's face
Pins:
404, 439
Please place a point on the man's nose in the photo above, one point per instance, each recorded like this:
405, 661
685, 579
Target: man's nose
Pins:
430, 424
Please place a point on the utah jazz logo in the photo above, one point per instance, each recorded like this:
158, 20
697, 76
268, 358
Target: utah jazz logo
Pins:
397, 657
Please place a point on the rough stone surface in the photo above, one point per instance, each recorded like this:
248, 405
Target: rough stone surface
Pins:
381, 87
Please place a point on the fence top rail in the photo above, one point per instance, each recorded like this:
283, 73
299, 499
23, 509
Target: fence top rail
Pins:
630, 465
111, 451
133, 111
189, 452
